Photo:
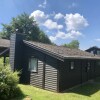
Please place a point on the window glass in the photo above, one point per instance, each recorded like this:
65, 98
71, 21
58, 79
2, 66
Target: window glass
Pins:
89, 65
72, 65
92, 52
33, 64
98, 52
98, 63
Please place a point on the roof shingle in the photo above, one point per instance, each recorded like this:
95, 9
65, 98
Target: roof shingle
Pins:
4, 43
61, 51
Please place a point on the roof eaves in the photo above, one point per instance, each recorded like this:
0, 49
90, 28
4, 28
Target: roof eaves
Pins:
81, 57
53, 54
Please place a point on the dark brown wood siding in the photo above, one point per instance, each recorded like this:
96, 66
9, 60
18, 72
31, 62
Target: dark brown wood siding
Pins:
97, 68
12, 50
17, 54
68, 77
88, 72
80, 74
36, 79
51, 71
46, 77
50, 78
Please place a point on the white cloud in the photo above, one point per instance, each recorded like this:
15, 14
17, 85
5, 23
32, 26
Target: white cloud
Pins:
97, 39
39, 16
62, 35
58, 16
52, 25
52, 38
74, 34
43, 5
75, 22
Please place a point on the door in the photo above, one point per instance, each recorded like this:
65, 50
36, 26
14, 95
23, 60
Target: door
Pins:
87, 70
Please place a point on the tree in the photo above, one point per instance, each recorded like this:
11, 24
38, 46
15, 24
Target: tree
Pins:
72, 44
24, 25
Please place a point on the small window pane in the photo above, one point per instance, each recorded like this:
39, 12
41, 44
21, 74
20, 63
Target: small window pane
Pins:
98, 52
98, 63
88, 67
92, 52
33, 64
89, 64
72, 65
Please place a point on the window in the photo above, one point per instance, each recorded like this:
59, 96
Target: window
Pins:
92, 52
72, 65
98, 52
89, 65
98, 63
33, 64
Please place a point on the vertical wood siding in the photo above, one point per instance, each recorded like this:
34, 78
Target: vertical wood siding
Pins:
46, 77
36, 79
97, 68
12, 50
67, 77
50, 78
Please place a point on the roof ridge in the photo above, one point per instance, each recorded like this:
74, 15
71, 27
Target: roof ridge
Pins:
60, 50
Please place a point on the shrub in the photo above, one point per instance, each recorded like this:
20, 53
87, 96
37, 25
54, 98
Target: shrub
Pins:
8, 83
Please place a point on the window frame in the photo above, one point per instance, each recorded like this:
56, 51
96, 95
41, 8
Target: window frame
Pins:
98, 63
92, 52
88, 65
29, 66
72, 65
98, 52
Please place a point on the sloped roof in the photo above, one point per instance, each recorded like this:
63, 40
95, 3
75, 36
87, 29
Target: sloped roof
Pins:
4, 43
94, 47
60, 51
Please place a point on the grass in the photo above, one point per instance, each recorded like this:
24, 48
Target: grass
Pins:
89, 91
1, 61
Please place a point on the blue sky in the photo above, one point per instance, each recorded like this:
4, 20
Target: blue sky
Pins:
62, 20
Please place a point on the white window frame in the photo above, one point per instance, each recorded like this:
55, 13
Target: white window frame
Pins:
31, 68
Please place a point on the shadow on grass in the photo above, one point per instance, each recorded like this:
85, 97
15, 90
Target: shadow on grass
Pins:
19, 95
87, 89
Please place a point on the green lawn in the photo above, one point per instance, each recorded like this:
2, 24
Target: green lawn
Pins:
89, 91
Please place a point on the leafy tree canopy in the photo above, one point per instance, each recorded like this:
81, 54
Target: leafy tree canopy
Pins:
24, 25
72, 44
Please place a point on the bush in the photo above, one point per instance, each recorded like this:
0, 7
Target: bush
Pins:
8, 83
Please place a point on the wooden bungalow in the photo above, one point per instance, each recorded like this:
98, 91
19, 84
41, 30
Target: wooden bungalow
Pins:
94, 50
4, 48
54, 68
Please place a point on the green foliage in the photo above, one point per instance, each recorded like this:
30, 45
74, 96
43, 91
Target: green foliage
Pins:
24, 25
72, 44
43, 37
2, 61
8, 83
